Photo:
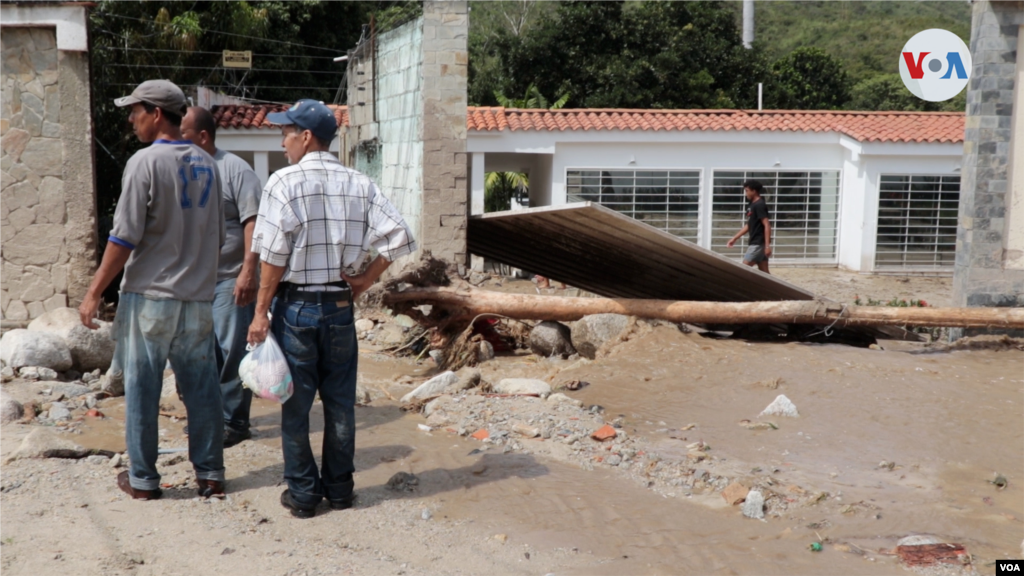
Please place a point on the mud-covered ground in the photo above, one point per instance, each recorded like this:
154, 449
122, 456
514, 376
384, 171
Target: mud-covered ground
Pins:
645, 502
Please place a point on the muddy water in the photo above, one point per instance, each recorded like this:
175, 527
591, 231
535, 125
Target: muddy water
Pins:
949, 421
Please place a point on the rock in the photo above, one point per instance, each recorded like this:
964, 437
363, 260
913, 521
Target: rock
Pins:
735, 493
525, 430
438, 419
90, 349
69, 389
753, 506
390, 335
364, 325
603, 433
522, 386
43, 442
10, 409
403, 481
97, 459
551, 339
781, 406
116, 460
38, 373
591, 332
918, 540
436, 404
559, 398
113, 382
59, 412
404, 321
20, 347
484, 351
468, 378
7, 373
362, 395
426, 515
613, 460
93, 376
170, 386
431, 388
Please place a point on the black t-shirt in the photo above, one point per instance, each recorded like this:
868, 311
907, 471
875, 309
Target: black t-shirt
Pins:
756, 213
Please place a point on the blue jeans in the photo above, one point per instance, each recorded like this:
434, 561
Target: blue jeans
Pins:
231, 324
319, 341
149, 332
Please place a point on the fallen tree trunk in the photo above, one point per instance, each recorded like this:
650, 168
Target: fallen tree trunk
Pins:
463, 303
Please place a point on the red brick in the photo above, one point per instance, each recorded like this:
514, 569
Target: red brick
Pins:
603, 433
481, 434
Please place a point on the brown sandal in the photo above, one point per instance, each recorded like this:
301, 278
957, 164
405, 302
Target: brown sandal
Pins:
125, 485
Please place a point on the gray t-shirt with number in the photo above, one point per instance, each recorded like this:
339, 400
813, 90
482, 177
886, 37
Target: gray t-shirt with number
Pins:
241, 189
169, 215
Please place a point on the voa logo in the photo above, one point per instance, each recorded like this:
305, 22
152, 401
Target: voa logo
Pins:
935, 65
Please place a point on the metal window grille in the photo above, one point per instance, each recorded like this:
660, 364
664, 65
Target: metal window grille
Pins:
803, 209
666, 199
917, 218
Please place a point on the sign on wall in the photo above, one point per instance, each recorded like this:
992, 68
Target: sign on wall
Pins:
238, 59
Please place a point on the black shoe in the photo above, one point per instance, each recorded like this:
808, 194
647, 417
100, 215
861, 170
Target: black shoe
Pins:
293, 506
343, 504
232, 436
184, 429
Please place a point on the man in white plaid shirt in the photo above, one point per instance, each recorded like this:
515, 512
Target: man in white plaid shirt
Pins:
317, 221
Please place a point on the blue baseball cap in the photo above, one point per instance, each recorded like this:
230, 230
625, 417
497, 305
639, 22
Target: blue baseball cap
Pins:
308, 115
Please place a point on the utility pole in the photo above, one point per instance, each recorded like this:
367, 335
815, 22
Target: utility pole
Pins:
748, 23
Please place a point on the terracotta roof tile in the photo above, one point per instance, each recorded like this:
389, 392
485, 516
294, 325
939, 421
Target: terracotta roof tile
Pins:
862, 126
255, 115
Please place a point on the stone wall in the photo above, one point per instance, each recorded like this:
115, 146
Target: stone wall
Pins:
47, 195
407, 96
445, 75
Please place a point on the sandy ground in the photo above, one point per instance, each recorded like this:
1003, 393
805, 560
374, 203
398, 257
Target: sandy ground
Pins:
948, 421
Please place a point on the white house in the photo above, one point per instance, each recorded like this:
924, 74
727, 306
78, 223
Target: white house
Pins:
866, 191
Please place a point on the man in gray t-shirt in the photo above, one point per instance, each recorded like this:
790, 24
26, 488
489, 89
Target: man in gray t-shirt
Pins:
237, 282
167, 234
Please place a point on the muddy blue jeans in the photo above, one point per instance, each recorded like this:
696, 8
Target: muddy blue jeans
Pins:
150, 332
319, 341
231, 324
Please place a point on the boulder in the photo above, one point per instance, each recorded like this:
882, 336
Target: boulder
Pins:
559, 398
468, 378
781, 406
437, 405
43, 442
522, 386
431, 388
551, 339
90, 349
69, 389
10, 409
22, 347
364, 325
59, 412
591, 332
38, 373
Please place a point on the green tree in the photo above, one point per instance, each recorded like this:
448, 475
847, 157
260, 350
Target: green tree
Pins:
501, 187
533, 100
812, 80
887, 92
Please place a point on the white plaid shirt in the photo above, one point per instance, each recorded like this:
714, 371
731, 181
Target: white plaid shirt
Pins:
318, 218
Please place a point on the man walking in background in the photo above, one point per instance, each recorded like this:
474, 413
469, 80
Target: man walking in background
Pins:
237, 278
759, 226
167, 234
317, 221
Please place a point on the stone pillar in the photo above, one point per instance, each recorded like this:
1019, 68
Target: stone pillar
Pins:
47, 195
444, 81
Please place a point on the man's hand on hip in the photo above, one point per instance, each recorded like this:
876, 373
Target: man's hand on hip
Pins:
361, 282
88, 310
246, 287
258, 329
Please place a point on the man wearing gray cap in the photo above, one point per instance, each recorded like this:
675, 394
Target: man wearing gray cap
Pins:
317, 221
167, 235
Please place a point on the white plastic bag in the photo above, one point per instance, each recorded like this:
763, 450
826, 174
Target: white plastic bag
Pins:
264, 370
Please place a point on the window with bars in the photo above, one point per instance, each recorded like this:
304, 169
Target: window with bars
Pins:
803, 210
917, 218
666, 199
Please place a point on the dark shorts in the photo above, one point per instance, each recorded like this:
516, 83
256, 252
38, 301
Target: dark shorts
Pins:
755, 254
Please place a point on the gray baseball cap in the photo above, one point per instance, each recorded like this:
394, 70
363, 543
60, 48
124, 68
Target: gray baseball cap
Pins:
160, 93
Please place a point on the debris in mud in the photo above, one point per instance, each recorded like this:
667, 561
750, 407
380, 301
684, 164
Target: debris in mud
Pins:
575, 384
771, 383
887, 465
403, 482
999, 481
603, 433
735, 493
781, 406
753, 505
689, 426
932, 554
758, 425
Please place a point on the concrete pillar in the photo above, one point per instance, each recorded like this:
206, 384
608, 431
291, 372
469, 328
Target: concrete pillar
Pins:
478, 178
1015, 177
748, 23
261, 164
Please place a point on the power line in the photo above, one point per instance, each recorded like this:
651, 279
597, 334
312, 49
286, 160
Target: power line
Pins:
253, 87
220, 68
115, 48
226, 33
